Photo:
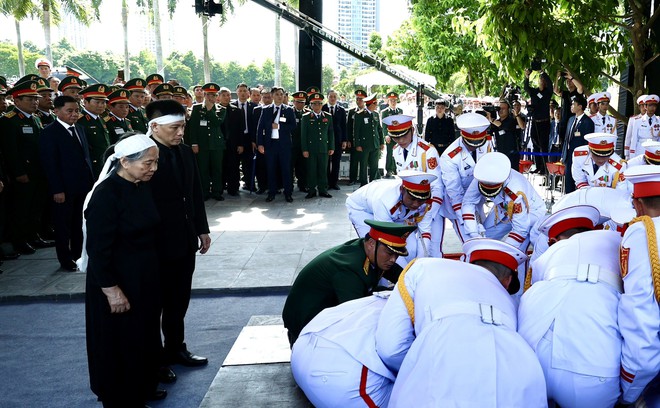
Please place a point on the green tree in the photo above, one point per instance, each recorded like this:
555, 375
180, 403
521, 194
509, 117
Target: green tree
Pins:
376, 44
328, 76
9, 61
100, 67
60, 50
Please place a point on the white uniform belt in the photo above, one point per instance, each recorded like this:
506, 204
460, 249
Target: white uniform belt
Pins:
585, 273
489, 314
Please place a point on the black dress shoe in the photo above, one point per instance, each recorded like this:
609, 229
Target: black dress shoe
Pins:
166, 375
69, 266
335, 187
270, 198
40, 243
188, 359
288, 199
311, 194
24, 248
158, 395
325, 195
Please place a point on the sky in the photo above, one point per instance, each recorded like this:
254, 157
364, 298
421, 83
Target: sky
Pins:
246, 37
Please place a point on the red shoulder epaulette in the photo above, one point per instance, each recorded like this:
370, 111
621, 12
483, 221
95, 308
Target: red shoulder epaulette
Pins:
510, 193
423, 146
578, 153
614, 163
396, 207
455, 152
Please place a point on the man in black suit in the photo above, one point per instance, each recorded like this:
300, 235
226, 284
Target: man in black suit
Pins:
65, 158
183, 229
578, 126
276, 123
259, 160
246, 107
339, 123
232, 128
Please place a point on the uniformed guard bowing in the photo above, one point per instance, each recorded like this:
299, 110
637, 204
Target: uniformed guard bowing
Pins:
596, 164
349, 271
318, 143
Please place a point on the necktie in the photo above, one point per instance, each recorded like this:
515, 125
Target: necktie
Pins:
244, 109
603, 120
72, 129
650, 120
277, 109
405, 154
595, 168
474, 155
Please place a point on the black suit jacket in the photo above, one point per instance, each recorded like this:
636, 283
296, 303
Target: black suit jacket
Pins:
339, 124
264, 127
576, 138
178, 196
66, 162
246, 138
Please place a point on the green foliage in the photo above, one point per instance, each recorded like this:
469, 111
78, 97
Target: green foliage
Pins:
376, 44
9, 61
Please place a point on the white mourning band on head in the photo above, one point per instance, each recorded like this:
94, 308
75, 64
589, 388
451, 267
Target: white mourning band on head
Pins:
164, 120
126, 147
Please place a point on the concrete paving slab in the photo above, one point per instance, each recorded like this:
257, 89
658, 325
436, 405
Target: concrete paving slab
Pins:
262, 344
264, 277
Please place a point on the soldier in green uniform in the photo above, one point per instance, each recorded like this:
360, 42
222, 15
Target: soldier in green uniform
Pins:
71, 86
297, 160
179, 94
117, 120
19, 144
356, 156
349, 271
368, 139
318, 143
44, 112
153, 81
136, 113
392, 109
94, 104
204, 134
163, 91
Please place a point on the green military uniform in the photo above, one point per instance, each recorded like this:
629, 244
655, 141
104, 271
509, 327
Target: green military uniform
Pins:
356, 157
390, 165
338, 275
368, 134
19, 143
317, 138
46, 118
138, 119
298, 164
98, 139
204, 129
117, 127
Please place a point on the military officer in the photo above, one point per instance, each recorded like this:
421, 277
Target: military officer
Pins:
153, 81
232, 129
71, 86
204, 133
117, 121
603, 122
346, 272
368, 139
448, 331
596, 164
592, 105
638, 312
651, 155
45, 109
356, 155
163, 91
318, 143
647, 127
20, 130
516, 205
405, 200
457, 165
179, 94
136, 114
392, 109
338, 114
631, 124
298, 162
98, 138
44, 66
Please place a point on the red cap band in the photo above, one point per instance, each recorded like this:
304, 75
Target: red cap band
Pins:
565, 225
646, 189
472, 136
495, 256
416, 187
387, 239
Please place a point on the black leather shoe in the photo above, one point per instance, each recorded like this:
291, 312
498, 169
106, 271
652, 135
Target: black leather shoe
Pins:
40, 243
69, 266
158, 395
325, 195
166, 375
311, 194
188, 359
270, 198
288, 199
335, 187
24, 248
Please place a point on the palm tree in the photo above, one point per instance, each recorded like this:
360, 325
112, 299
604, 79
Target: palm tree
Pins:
124, 26
19, 10
51, 13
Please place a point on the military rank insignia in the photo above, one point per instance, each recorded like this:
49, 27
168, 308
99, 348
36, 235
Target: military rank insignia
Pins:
624, 254
433, 163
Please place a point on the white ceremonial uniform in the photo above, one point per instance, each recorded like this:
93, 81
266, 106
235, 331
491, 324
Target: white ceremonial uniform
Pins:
608, 175
462, 349
381, 200
638, 314
516, 209
422, 156
604, 124
334, 360
569, 319
629, 129
645, 128
457, 170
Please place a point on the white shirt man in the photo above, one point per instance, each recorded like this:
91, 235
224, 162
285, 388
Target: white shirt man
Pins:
631, 124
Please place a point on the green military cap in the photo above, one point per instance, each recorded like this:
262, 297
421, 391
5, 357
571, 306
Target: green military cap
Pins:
313, 89
135, 85
211, 87
392, 95
118, 96
391, 234
25, 88
29, 77
300, 96
70, 82
163, 89
316, 97
179, 91
155, 79
360, 93
96, 91
112, 88
42, 86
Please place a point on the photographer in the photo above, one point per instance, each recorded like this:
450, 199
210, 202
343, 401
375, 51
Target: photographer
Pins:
507, 138
573, 87
539, 115
440, 130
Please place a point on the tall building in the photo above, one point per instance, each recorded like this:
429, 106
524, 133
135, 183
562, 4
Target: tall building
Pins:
356, 20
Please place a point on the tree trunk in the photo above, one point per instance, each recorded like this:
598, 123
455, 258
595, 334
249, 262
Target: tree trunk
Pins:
278, 54
159, 44
124, 25
205, 39
45, 22
471, 82
19, 46
637, 36
486, 85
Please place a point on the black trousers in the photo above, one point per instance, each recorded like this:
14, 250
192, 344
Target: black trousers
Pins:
333, 168
176, 275
247, 164
278, 161
540, 140
27, 201
232, 171
67, 221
